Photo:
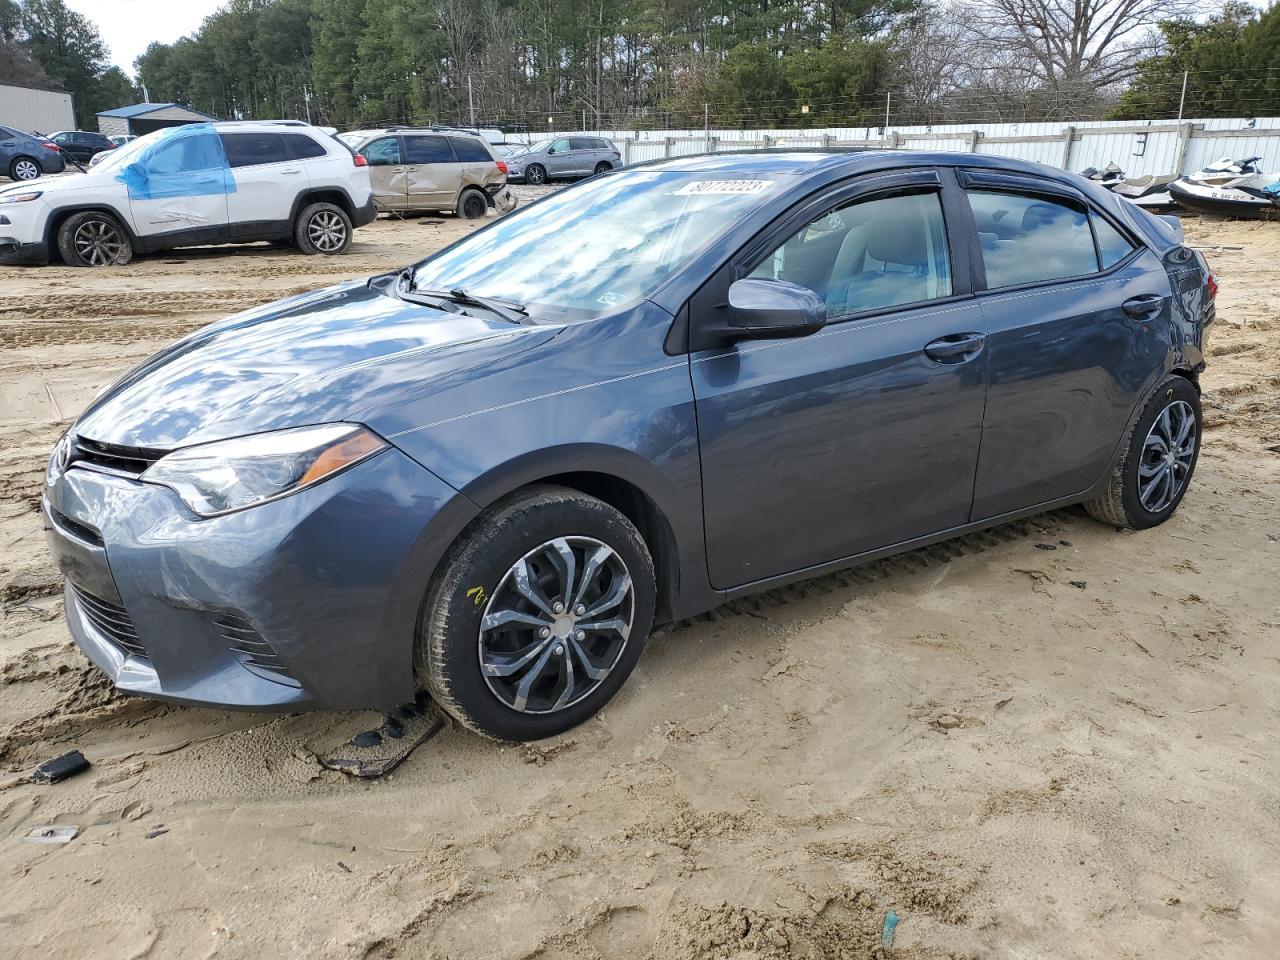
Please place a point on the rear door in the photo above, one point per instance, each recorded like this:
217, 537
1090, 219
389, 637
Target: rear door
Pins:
387, 175
267, 179
1079, 320
433, 175
865, 434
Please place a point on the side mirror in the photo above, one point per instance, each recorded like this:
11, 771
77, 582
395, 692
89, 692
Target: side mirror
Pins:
764, 309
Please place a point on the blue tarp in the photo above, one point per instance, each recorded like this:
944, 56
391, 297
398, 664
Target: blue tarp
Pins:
185, 161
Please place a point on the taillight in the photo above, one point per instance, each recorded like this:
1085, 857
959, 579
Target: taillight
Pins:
1212, 284
359, 160
52, 146
502, 166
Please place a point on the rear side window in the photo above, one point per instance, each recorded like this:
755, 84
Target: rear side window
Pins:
427, 149
302, 147
603, 145
583, 143
1026, 239
1113, 246
869, 255
252, 149
469, 150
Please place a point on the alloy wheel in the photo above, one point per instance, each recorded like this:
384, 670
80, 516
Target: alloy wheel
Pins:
556, 625
327, 232
98, 243
1167, 454
535, 175
26, 170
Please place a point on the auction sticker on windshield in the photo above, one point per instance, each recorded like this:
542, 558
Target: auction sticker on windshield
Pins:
699, 187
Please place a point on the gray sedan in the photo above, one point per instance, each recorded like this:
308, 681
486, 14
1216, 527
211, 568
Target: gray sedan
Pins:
25, 156
563, 158
489, 474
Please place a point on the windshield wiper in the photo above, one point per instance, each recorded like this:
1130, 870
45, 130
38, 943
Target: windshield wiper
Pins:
511, 312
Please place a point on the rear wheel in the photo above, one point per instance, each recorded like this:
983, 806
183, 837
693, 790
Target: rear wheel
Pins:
535, 174
323, 228
472, 205
24, 168
1159, 458
94, 239
603, 167
538, 615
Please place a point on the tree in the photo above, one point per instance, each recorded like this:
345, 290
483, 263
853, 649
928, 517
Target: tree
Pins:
69, 48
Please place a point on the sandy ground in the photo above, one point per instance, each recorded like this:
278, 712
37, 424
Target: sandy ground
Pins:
1051, 740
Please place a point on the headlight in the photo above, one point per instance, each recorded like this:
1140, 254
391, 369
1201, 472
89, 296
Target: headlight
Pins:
217, 478
25, 197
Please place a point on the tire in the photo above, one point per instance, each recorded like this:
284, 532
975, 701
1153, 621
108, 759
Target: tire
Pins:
94, 239
535, 174
323, 229
603, 166
24, 169
472, 205
1133, 498
477, 582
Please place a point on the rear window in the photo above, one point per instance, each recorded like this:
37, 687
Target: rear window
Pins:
470, 150
302, 147
251, 149
423, 148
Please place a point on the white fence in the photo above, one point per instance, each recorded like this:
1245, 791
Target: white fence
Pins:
1138, 147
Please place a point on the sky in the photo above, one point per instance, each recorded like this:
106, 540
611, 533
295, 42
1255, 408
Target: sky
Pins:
129, 26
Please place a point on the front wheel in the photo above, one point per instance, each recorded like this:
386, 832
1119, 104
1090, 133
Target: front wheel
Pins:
24, 168
537, 616
535, 174
94, 239
323, 228
1159, 458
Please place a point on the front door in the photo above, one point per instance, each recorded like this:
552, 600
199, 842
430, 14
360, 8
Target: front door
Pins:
1079, 316
433, 176
862, 435
178, 190
386, 172
559, 158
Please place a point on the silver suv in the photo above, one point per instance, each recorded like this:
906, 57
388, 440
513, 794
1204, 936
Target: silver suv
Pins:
563, 157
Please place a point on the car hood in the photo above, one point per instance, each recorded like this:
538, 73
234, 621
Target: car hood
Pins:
344, 353
61, 182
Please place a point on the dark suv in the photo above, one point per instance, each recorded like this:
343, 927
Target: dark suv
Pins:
81, 145
490, 473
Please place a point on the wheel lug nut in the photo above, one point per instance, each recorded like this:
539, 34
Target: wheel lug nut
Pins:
559, 649
582, 635
544, 632
558, 607
579, 610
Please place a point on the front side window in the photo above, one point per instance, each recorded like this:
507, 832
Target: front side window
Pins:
427, 149
868, 255
252, 149
599, 247
1029, 239
560, 146
382, 153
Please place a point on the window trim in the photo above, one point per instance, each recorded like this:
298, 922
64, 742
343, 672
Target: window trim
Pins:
1008, 182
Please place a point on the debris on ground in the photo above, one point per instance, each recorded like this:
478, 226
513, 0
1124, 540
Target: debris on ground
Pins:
54, 833
890, 927
60, 768
372, 753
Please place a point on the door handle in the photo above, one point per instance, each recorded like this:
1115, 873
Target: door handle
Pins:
955, 347
290, 173
1142, 307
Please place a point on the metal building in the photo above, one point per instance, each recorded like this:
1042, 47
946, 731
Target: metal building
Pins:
28, 109
147, 117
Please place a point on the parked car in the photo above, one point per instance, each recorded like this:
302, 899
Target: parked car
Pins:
192, 185
436, 168
563, 158
81, 145
120, 139
26, 156
490, 473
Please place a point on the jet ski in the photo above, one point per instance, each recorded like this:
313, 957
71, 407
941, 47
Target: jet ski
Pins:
1150, 192
1228, 188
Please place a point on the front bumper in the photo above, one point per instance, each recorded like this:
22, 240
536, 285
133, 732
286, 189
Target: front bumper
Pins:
307, 601
13, 252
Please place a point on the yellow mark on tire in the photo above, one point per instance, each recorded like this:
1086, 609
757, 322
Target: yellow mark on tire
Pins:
477, 595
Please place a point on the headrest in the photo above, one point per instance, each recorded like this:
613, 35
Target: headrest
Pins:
899, 241
1041, 215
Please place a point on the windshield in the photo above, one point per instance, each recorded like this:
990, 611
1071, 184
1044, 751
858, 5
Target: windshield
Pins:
592, 249
538, 147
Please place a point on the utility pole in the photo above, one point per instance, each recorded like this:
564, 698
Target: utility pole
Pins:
706, 126
1182, 100
471, 100
306, 99
888, 99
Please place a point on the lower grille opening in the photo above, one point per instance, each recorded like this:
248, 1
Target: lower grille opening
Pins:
251, 649
114, 456
77, 529
112, 621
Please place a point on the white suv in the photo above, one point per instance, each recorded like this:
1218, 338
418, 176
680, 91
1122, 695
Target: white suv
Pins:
199, 184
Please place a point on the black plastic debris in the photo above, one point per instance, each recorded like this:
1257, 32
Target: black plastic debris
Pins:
373, 753
159, 830
1046, 546
369, 738
59, 768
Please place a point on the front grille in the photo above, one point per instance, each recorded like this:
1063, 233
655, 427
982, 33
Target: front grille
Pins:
112, 621
250, 648
113, 456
